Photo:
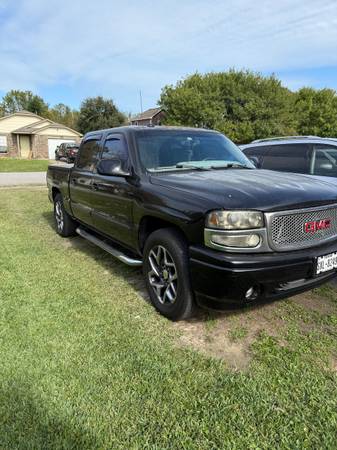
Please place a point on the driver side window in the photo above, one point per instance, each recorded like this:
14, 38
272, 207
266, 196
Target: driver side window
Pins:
114, 147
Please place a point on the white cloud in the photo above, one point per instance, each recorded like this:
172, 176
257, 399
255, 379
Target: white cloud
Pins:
148, 44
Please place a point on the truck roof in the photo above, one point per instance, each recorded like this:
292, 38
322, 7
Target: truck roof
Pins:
137, 128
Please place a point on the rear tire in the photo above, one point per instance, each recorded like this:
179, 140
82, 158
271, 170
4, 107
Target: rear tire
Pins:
166, 273
65, 225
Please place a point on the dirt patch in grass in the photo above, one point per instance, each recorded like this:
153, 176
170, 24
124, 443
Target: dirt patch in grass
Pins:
314, 302
216, 343
229, 336
334, 363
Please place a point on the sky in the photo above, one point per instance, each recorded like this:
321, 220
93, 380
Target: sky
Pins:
66, 50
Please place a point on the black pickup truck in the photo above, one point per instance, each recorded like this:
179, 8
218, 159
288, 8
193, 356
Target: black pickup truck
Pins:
206, 226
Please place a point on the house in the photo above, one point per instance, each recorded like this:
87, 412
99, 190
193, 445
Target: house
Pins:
153, 116
27, 135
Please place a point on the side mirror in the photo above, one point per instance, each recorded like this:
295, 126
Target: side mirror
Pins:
255, 160
112, 167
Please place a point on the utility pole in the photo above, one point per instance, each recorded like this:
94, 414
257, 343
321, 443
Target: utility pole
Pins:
141, 100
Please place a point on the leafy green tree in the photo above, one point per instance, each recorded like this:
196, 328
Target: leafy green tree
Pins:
98, 113
242, 104
16, 100
63, 114
316, 112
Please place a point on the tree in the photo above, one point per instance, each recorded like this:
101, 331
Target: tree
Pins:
242, 104
16, 100
316, 112
63, 114
98, 113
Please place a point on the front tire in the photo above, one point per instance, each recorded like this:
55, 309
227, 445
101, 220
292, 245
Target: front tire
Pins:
166, 273
65, 225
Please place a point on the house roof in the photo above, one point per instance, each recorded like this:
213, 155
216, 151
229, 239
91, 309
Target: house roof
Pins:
22, 113
29, 129
148, 114
34, 127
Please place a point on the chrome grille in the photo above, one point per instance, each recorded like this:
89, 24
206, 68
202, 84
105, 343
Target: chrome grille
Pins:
287, 229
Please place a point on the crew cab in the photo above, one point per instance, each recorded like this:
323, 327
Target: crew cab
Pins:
189, 207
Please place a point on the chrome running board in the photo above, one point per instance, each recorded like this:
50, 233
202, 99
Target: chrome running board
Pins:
108, 248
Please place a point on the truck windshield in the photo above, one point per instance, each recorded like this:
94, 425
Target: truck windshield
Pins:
166, 150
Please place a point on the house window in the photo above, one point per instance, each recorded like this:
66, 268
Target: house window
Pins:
3, 144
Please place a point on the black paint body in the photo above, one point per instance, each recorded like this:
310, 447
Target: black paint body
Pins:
126, 209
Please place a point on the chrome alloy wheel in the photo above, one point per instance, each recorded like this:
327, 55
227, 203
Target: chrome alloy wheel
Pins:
59, 216
163, 276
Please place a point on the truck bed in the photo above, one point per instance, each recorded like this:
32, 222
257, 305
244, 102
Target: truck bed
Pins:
58, 176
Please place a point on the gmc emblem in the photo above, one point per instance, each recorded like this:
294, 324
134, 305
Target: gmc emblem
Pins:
316, 225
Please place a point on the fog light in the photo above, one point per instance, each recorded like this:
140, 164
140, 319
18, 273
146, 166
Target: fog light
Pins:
252, 293
240, 240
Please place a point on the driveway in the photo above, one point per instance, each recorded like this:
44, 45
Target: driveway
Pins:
22, 179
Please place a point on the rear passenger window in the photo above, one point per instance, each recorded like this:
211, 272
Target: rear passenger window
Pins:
324, 160
288, 158
115, 147
88, 155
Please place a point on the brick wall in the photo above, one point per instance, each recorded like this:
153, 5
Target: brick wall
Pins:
12, 148
40, 146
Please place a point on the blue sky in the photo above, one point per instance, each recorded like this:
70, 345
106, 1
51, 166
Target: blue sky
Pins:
68, 50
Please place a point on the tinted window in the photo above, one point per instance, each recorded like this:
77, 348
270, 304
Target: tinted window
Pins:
256, 153
164, 150
88, 155
324, 160
288, 158
115, 148
71, 145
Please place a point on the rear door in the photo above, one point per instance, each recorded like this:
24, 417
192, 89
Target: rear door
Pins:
82, 177
288, 158
114, 195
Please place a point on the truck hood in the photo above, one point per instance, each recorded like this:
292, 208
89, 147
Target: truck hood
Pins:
263, 190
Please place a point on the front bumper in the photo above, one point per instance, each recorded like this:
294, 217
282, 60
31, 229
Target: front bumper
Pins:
220, 277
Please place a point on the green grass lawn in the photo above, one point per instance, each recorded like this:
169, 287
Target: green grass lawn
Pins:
23, 165
87, 363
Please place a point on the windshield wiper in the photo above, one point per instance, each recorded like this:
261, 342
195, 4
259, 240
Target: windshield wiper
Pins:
190, 166
230, 166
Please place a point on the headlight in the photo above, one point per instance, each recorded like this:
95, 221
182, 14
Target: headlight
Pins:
235, 220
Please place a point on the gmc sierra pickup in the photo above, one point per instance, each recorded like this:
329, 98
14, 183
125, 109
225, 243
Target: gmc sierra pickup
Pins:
206, 226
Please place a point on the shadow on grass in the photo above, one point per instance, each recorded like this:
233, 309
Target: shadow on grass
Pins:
131, 274
134, 277
25, 423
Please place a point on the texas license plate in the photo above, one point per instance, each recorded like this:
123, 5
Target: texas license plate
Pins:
326, 263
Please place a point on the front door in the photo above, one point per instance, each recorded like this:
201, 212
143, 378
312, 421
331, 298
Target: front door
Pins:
24, 140
114, 196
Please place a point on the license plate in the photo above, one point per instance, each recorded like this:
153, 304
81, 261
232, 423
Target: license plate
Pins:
326, 263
